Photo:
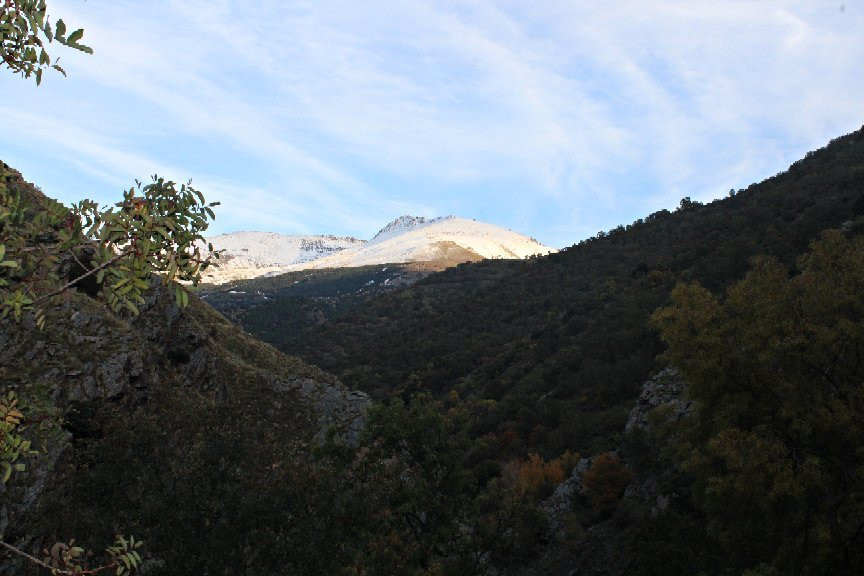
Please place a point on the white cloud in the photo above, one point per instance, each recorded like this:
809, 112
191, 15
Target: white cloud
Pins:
336, 114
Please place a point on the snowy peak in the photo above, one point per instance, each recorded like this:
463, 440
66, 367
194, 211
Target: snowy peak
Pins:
448, 240
405, 224
444, 241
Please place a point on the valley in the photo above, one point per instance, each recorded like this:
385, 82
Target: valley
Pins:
421, 417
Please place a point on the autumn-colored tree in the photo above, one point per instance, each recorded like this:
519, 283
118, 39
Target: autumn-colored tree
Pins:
536, 477
605, 481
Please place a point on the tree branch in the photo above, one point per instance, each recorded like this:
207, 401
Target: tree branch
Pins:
54, 570
74, 281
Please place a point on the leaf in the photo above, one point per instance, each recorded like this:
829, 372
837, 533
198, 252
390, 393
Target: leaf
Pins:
75, 36
60, 32
132, 308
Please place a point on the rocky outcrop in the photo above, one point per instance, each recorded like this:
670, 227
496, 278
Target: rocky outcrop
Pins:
664, 389
89, 361
579, 541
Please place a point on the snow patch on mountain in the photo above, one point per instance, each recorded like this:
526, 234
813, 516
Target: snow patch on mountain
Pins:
448, 240
252, 254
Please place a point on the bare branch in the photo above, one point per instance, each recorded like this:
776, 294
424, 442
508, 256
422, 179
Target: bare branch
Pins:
87, 274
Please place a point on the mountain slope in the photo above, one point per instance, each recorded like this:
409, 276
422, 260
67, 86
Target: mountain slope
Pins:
551, 351
251, 254
170, 419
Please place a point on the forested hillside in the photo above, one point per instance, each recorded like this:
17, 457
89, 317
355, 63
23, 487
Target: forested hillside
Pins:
550, 352
499, 447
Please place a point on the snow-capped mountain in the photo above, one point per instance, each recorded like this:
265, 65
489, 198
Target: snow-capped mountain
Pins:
450, 239
446, 240
251, 254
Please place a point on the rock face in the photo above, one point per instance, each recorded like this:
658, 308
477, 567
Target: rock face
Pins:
406, 223
95, 366
560, 503
666, 388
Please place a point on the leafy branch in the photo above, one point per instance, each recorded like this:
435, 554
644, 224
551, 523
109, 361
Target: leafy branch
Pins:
156, 229
68, 560
25, 27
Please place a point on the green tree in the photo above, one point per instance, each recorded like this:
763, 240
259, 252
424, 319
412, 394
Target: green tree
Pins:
776, 451
25, 28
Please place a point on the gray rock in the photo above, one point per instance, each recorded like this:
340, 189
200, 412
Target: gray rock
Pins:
666, 388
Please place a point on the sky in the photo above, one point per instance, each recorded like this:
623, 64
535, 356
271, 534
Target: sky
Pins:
554, 118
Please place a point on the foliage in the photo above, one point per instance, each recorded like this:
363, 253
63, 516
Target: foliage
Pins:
605, 481
47, 250
776, 450
536, 477
434, 515
547, 355
156, 229
220, 485
12, 444
25, 27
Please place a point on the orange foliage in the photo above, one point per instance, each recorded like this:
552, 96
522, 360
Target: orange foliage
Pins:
606, 480
534, 476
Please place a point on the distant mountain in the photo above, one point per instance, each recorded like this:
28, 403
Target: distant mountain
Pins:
446, 241
449, 239
252, 254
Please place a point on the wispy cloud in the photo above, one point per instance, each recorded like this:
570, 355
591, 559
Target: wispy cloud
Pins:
555, 118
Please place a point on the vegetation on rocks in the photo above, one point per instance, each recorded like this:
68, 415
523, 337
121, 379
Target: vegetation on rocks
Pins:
546, 356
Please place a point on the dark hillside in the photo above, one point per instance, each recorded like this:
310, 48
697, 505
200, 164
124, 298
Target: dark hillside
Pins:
178, 427
289, 302
550, 351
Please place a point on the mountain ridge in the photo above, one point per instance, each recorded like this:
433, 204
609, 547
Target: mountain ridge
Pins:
448, 240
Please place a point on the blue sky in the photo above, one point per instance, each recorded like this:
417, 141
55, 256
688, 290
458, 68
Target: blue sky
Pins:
553, 118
